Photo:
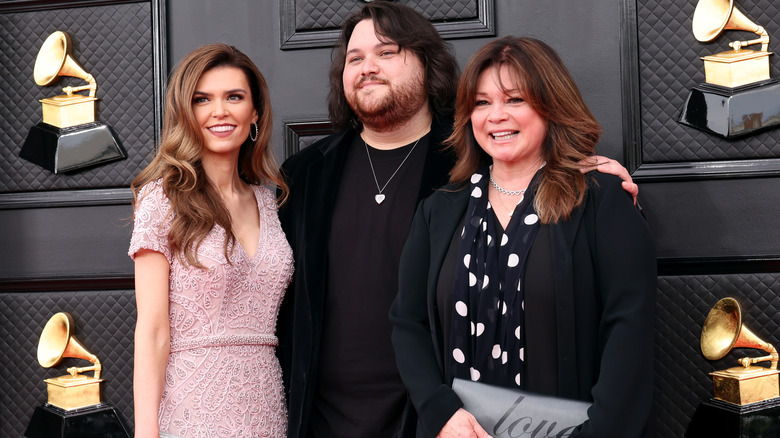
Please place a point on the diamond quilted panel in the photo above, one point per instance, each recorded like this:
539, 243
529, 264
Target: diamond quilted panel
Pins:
308, 140
116, 47
669, 66
319, 15
681, 372
104, 323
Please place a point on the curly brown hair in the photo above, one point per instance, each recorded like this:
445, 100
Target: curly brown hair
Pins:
196, 205
547, 85
411, 31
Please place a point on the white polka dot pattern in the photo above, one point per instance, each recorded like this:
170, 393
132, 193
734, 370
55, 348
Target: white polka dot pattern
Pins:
461, 308
487, 319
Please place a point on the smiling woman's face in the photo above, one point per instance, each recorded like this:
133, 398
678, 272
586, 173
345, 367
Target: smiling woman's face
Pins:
222, 104
504, 124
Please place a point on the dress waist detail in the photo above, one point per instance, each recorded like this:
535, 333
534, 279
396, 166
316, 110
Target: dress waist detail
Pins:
223, 341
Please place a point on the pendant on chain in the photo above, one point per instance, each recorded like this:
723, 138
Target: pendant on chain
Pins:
380, 197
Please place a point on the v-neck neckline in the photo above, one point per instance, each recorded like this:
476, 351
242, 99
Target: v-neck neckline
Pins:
261, 224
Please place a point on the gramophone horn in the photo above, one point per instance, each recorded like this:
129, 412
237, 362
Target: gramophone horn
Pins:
723, 330
57, 341
54, 60
711, 17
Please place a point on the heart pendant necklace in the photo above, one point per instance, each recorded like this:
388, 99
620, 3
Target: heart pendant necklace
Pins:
380, 197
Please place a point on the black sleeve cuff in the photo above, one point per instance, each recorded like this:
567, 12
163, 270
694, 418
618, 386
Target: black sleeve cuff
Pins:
438, 409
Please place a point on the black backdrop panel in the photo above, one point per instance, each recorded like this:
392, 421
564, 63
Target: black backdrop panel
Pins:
299, 134
113, 43
681, 372
318, 14
316, 23
104, 322
669, 66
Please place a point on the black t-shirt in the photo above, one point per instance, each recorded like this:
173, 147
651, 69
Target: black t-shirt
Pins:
359, 391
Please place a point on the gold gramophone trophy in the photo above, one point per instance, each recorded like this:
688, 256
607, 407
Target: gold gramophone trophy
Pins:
746, 398
74, 407
70, 137
738, 96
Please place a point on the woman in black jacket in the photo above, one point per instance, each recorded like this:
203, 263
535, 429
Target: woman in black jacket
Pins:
526, 272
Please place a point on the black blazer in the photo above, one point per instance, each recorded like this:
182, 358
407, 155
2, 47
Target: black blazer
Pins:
313, 175
605, 281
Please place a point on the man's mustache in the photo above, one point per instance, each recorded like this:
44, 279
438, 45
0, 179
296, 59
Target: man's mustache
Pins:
370, 79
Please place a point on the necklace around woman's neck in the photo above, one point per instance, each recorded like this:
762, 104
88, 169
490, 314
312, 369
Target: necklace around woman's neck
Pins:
503, 190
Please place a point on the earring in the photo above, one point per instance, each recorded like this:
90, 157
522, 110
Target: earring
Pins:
257, 131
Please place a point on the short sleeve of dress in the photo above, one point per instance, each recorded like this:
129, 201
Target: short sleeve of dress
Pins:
151, 221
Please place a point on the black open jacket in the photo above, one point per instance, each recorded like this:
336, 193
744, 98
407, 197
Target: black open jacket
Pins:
604, 271
313, 175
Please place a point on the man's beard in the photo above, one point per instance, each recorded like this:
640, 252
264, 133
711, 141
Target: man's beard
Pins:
397, 106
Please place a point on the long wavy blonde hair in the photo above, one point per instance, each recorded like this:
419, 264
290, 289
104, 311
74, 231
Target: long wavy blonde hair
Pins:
547, 85
196, 205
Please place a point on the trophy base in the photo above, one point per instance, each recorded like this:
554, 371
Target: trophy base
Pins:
67, 111
716, 418
69, 392
745, 386
100, 421
736, 68
61, 150
733, 112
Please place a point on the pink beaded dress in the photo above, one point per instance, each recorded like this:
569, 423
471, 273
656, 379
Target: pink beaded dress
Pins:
222, 378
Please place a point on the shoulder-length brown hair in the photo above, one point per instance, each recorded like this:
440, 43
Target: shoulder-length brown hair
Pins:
546, 84
196, 205
411, 31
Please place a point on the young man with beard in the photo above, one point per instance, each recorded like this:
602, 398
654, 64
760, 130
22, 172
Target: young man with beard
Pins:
352, 199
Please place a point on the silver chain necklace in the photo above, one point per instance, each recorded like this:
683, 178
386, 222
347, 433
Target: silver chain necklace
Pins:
379, 197
505, 191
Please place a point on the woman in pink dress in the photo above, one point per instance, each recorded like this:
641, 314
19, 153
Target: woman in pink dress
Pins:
211, 261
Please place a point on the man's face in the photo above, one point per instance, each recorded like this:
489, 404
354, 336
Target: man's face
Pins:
384, 85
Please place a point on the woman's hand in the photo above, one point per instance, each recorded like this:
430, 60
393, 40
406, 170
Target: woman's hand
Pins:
462, 425
612, 167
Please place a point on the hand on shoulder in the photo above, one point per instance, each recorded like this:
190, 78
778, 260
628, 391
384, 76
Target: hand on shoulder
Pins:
612, 167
